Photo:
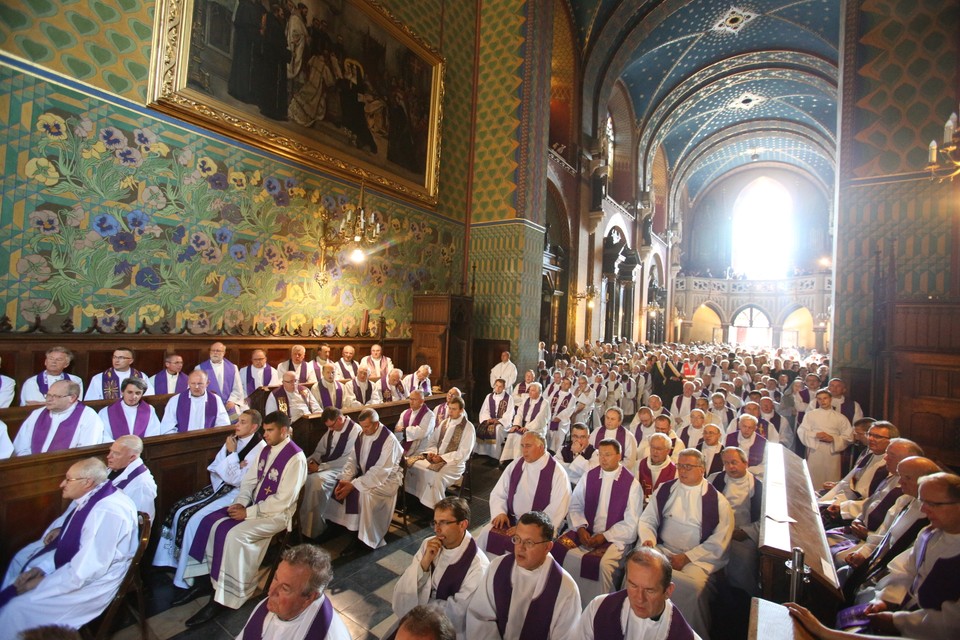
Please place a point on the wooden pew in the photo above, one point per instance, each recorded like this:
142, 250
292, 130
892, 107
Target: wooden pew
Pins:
791, 519
30, 486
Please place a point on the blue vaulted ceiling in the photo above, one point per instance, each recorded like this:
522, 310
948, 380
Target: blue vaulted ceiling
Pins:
713, 81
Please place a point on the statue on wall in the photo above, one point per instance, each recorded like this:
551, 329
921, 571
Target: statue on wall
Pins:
647, 228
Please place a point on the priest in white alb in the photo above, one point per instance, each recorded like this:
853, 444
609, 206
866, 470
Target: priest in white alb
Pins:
64, 423
323, 468
130, 414
445, 457
198, 408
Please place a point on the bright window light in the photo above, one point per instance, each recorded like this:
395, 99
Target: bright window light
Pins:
763, 230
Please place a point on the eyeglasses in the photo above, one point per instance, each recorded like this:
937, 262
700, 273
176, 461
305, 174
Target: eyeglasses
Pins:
74, 479
932, 503
877, 436
687, 467
122, 358
527, 544
442, 523
51, 396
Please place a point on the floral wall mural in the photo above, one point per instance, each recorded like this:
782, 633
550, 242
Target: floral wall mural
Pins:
111, 215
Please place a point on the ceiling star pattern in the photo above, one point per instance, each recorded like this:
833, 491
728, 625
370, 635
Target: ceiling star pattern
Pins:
694, 68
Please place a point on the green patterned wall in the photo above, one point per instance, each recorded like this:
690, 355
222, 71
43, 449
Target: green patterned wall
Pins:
104, 43
905, 85
509, 259
917, 217
108, 214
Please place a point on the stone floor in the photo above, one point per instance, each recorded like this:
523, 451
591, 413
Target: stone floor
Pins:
362, 586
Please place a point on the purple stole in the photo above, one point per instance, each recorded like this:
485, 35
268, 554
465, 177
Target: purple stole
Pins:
110, 383
452, 578
645, 476
536, 411
386, 393
352, 501
374, 368
302, 377
405, 421
619, 496
441, 412
68, 542
341, 443
139, 471
941, 584
229, 376
251, 383
496, 409
848, 408
283, 400
879, 510
325, 398
423, 387
118, 421
621, 437
606, 622
685, 435
536, 624
522, 388
345, 371
710, 510
363, 397
318, 628
42, 381
499, 543
755, 455
64, 435
269, 480
720, 482
805, 396
555, 423
161, 386
183, 412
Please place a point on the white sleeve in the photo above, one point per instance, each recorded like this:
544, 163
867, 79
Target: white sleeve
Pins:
7, 389
713, 549
6, 447
95, 389
575, 518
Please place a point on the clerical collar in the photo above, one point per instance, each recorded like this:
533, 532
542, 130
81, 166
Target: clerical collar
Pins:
687, 487
67, 410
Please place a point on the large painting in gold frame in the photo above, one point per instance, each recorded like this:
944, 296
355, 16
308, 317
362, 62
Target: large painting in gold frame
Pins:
341, 85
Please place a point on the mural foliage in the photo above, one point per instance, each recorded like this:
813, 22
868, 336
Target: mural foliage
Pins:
127, 218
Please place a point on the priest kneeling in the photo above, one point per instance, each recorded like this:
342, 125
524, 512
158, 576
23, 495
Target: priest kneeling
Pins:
296, 606
643, 610
231, 542
69, 576
603, 518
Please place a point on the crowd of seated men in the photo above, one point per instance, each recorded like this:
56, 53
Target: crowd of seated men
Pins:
630, 495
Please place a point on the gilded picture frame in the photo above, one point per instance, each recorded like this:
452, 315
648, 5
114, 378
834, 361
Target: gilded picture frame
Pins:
364, 93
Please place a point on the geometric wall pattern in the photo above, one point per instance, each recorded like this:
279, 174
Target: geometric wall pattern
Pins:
916, 216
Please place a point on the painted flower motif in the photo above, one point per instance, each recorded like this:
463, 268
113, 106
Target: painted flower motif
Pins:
178, 234
88, 241
106, 225
272, 186
144, 137
206, 166
113, 138
295, 293
315, 196
34, 267
52, 126
152, 198
43, 171
298, 192
108, 318
45, 221
292, 251
152, 313
389, 302
201, 323
282, 199
223, 235
137, 220
153, 230
84, 128
186, 255
94, 151
185, 157
256, 177
218, 182
159, 148
281, 287
290, 183
347, 298
260, 266
231, 286
199, 240
148, 278
232, 317
238, 252
33, 309
328, 203
211, 255
238, 179
231, 213
123, 241
123, 268
74, 216
395, 224
280, 265
296, 321
342, 201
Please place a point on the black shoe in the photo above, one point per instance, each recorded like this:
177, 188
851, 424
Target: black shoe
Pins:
199, 588
205, 615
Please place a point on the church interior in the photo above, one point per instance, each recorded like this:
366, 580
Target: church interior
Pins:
455, 179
